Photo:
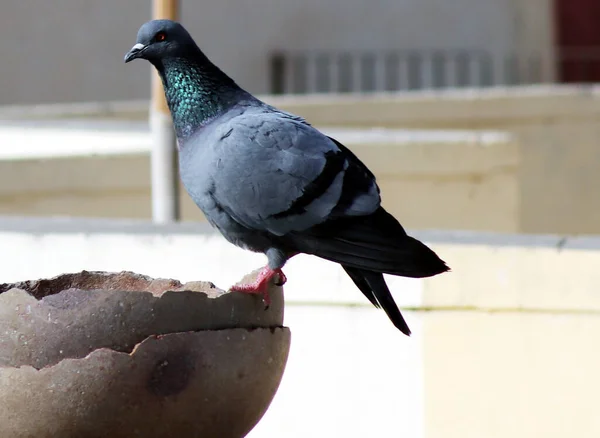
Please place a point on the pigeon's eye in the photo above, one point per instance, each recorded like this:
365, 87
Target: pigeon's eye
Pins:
160, 36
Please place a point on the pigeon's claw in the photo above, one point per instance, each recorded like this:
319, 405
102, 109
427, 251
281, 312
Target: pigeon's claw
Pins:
261, 284
282, 278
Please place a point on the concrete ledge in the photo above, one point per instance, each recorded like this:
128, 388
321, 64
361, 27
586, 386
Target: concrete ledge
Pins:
490, 271
68, 225
131, 109
102, 169
497, 105
534, 278
489, 108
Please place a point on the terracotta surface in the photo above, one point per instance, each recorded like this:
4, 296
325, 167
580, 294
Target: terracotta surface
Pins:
205, 384
122, 355
115, 311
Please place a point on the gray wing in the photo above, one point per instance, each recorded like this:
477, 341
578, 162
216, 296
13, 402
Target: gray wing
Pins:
276, 173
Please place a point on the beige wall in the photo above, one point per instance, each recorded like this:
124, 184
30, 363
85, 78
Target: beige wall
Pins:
428, 181
69, 50
510, 340
499, 375
557, 129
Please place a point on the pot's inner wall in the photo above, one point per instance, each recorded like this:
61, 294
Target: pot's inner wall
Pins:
125, 281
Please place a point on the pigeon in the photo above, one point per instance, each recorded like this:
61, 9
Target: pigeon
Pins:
272, 183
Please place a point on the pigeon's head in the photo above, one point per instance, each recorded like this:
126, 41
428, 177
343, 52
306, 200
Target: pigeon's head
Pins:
159, 39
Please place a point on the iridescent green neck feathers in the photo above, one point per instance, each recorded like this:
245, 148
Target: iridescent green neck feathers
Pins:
196, 91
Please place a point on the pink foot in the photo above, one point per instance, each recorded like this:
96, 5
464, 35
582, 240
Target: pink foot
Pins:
261, 284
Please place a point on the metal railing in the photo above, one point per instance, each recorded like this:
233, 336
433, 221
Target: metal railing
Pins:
335, 72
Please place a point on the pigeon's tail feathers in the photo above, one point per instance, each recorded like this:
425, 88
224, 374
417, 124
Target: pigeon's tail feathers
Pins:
373, 286
419, 261
375, 243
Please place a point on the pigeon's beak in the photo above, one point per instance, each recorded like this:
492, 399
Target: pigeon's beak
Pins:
135, 52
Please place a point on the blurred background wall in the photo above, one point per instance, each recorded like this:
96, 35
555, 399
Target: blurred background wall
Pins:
70, 50
484, 135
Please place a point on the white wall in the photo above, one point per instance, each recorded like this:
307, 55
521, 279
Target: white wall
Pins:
350, 373
67, 50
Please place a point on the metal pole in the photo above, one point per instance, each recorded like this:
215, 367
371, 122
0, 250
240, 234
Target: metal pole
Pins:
164, 163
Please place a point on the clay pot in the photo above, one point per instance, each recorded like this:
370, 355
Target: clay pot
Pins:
100, 354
